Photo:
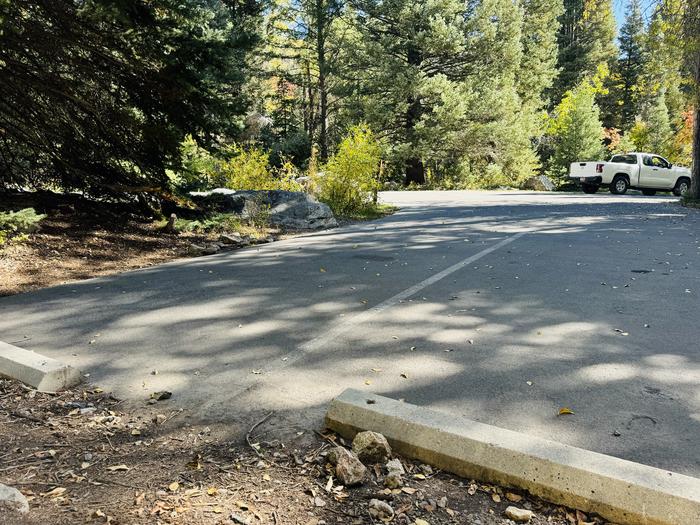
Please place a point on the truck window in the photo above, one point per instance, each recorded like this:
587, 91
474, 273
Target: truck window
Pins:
659, 162
625, 159
646, 160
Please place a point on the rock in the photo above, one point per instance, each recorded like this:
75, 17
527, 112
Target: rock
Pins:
380, 510
393, 480
241, 520
442, 502
519, 515
335, 453
395, 466
395, 469
206, 249
160, 419
371, 447
540, 183
350, 470
290, 209
515, 498
231, 238
13, 499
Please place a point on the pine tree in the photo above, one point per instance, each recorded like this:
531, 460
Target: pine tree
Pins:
631, 63
539, 42
659, 125
586, 41
576, 129
438, 79
98, 95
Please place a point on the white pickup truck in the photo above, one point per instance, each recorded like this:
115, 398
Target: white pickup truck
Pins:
645, 171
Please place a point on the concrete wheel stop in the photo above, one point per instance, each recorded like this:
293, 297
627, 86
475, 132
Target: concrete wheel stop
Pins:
620, 491
43, 373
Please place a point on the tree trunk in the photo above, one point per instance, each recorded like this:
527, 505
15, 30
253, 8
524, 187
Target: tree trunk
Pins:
695, 174
692, 40
415, 170
322, 74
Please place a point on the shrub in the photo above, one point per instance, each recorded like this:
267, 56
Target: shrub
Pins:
16, 224
238, 168
349, 182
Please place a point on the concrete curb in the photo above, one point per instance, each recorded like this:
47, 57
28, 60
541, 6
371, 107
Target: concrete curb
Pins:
618, 490
43, 373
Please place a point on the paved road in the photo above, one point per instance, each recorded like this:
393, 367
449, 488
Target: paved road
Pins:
502, 307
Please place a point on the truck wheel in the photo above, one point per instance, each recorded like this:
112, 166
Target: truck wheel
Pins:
682, 186
648, 193
589, 188
619, 185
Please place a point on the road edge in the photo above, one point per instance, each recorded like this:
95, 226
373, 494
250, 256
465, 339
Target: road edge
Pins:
618, 490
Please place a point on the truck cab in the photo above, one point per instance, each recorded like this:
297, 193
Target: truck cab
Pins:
647, 172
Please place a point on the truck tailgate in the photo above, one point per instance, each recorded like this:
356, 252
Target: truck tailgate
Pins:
583, 169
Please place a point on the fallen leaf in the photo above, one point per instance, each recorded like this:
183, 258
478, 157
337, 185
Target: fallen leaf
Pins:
496, 498
472, 489
368, 382
419, 476
409, 490
174, 486
54, 493
376, 369
266, 477
323, 270
515, 498
565, 410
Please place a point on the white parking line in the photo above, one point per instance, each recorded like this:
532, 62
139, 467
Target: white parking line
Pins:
333, 333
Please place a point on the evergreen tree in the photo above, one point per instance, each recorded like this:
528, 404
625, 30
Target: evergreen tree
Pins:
438, 79
586, 42
98, 95
575, 129
631, 63
660, 133
539, 42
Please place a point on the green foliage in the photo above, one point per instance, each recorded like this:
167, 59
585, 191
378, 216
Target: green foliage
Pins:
249, 169
652, 131
575, 130
98, 94
15, 225
235, 167
349, 182
22, 221
630, 65
586, 41
254, 224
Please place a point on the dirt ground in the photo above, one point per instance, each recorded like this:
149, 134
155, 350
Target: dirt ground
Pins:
78, 241
80, 456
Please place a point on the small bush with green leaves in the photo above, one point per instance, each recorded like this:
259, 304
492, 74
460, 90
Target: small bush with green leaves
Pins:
15, 224
350, 177
235, 167
249, 169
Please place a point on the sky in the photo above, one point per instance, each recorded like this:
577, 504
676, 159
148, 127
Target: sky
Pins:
620, 6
